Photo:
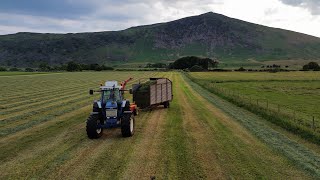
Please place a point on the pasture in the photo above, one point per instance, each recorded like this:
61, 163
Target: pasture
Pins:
290, 97
298, 91
201, 136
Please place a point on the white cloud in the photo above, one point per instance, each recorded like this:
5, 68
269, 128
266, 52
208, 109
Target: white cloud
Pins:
312, 5
118, 15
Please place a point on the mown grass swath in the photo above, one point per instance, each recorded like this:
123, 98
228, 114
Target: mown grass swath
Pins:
31, 100
43, 135
297, 153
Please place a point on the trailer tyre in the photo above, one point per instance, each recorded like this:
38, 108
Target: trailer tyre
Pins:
166, 104
127, 125
92, 124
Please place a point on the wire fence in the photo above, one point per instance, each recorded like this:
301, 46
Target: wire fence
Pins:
272, 109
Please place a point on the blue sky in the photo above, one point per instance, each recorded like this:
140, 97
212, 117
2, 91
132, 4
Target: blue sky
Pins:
64, 16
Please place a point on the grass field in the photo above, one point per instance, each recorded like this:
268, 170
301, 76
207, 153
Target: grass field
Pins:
293, 95
15, 73
201, 136
296, 90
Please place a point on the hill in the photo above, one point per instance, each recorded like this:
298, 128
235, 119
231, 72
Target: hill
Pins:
210, 35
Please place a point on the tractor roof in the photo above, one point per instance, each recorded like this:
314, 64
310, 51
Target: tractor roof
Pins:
110, 85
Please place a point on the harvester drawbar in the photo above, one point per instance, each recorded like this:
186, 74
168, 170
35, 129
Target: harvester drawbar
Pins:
111, 111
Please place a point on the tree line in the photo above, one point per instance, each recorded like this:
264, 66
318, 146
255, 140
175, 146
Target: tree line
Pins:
70, 66
194, 63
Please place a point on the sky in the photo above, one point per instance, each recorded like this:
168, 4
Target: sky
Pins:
71, 16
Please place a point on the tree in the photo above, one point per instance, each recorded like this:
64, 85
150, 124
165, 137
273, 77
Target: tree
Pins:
72, 66
241, 69
94, 66
311, 66
196, 68
44, 67
29, 70
189, 61
3, 69
14, 69
103, 67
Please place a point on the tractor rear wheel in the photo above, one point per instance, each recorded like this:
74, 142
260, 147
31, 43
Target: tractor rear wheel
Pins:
92, 123
127, 125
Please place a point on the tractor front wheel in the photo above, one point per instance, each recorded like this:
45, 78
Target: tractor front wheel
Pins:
93, 131
127, 125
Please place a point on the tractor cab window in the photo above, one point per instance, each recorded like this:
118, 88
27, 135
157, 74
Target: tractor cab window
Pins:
111, 94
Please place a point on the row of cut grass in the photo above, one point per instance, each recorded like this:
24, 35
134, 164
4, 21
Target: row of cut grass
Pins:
304, 124
298, 154
29, 120
48, 109
178, 159
20, 87
236, 146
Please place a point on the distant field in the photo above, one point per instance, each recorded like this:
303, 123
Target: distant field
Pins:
256, 76
294, 94
22, 73
254, 64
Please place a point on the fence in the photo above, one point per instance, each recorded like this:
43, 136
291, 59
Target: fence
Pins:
264, 106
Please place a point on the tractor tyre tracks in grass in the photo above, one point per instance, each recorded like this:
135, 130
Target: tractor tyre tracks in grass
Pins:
191, 141
143, 163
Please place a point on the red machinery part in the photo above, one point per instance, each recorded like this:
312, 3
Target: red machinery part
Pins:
124, 83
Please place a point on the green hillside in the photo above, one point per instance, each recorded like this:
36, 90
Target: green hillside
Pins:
210, 35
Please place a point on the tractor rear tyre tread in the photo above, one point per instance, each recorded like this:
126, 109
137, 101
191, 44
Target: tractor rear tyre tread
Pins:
92, 131
127, 125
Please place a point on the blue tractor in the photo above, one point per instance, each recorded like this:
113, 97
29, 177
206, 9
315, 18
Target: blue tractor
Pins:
111, 111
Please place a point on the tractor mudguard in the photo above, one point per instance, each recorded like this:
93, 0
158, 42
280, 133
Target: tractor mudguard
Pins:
99, 104
95, 107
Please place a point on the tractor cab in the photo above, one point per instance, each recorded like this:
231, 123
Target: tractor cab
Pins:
111, 95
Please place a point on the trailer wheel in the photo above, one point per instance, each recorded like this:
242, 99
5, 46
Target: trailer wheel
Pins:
92, 123
166, 104
127, 125
135, 112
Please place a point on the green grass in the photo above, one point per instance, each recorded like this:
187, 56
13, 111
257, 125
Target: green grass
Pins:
295, 152
16, 73
297, 91
294, 90
42, 135
295, 95
256, 76
178, 162
288, 99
